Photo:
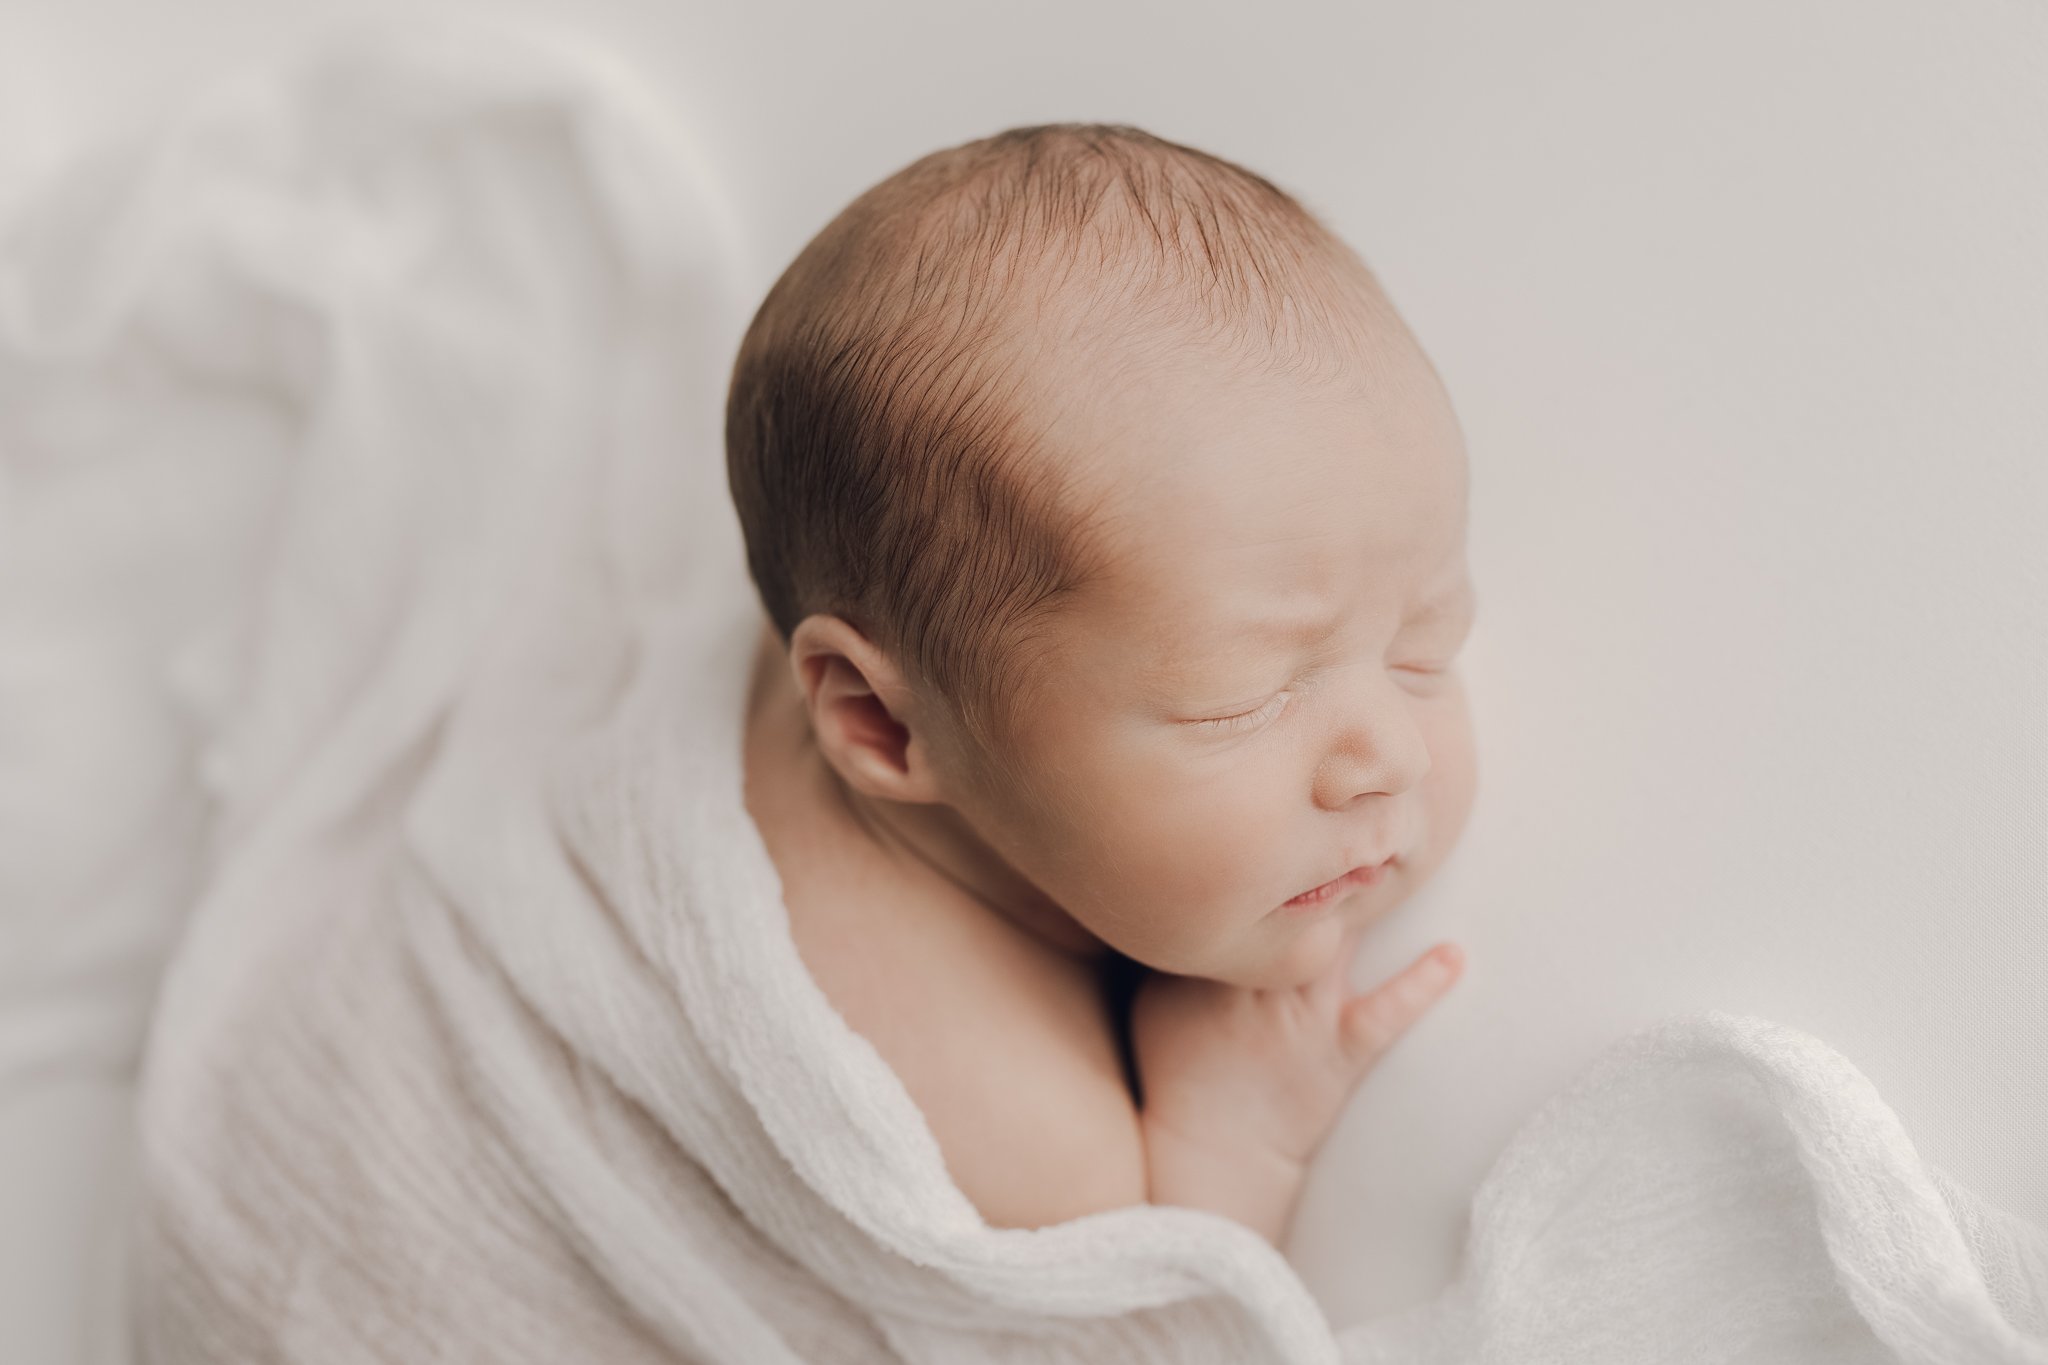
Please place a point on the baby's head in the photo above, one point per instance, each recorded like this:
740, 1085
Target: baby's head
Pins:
1115, 527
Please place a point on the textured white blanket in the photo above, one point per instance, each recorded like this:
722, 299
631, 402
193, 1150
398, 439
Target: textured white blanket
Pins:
487, 1039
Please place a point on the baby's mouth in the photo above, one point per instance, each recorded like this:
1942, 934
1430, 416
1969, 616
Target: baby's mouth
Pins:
1316, 896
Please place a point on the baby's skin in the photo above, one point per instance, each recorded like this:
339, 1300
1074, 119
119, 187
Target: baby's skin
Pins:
1262, 694
1242, 1086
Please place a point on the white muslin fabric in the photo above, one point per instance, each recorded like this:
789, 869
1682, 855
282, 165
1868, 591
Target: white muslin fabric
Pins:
484, 1037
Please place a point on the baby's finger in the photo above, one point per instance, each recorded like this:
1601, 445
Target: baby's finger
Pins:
1371, 1022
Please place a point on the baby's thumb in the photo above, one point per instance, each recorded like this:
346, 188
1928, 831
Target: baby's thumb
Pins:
1371, 1022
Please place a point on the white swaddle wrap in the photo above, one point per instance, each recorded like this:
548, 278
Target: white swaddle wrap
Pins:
486, 1038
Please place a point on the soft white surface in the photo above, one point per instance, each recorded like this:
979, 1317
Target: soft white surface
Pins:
1744, 311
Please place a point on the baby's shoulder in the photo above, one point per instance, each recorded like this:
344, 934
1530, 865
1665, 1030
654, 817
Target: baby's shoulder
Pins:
1007, 1046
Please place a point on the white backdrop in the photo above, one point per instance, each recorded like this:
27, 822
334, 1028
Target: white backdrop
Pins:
1745, 311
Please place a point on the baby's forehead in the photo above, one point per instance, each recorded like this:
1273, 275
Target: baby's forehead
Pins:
1220, 454
1252, 535
1188, 458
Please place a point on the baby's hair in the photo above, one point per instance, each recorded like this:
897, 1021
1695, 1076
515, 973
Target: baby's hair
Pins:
880, 433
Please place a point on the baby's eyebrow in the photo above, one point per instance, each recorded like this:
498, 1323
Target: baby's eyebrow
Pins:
1316, 629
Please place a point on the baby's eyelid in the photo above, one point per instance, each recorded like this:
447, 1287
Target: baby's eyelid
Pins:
1278, 700
1243, 719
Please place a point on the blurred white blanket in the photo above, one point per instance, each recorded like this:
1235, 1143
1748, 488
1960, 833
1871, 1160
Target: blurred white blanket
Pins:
367, 423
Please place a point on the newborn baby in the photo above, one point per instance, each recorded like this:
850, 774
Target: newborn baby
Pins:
1110, 527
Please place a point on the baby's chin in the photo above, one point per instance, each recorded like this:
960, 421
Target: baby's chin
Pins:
1299, 953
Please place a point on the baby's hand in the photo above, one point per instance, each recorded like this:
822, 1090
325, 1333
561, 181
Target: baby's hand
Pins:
1240, 1087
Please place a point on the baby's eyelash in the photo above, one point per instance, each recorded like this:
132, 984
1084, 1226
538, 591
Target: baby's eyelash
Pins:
1245, 720
1242, 720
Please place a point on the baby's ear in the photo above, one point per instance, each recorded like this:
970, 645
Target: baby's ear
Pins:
863, 714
